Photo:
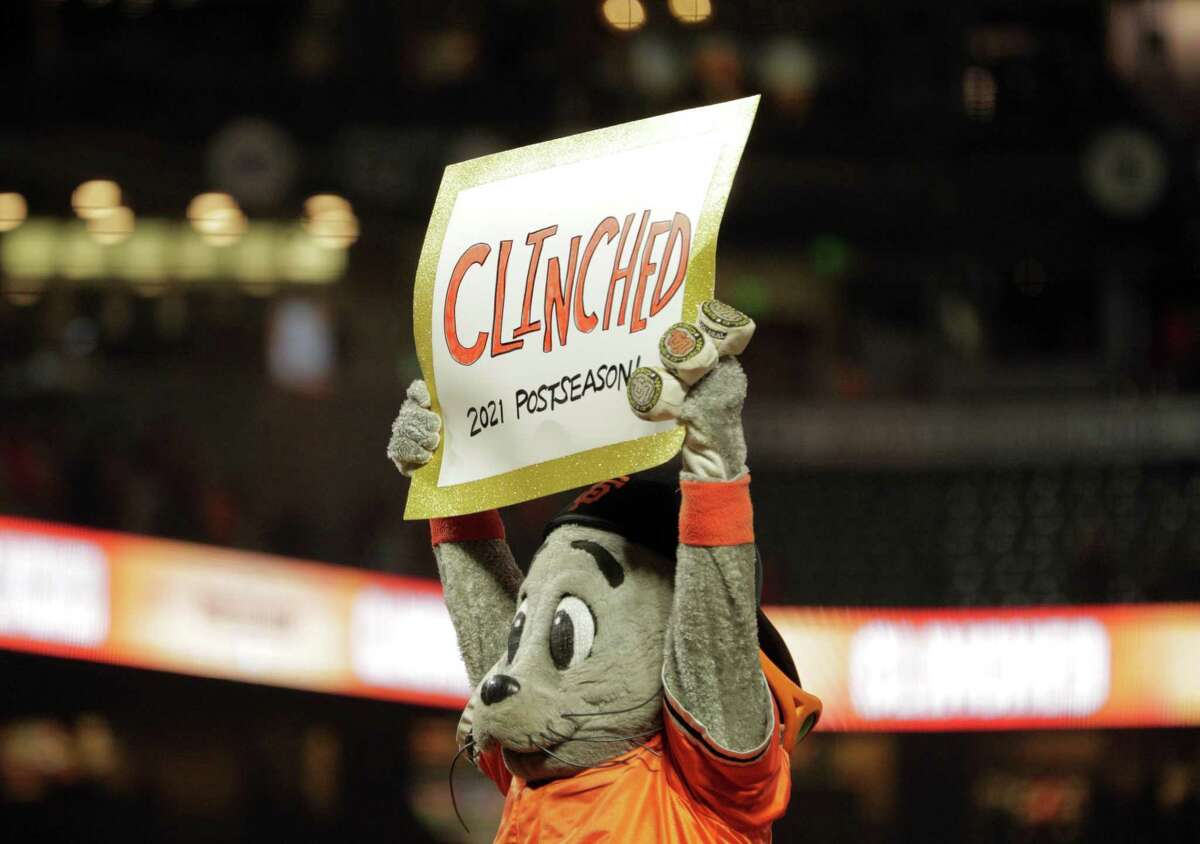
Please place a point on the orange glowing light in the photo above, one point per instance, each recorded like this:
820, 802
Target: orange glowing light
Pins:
205, 204
112, 227
13, 211
330, 221
691, 11
623, 15
217, 217
224, 226
96, 198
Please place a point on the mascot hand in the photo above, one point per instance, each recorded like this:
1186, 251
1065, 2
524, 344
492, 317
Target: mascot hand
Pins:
416, 431
702, 385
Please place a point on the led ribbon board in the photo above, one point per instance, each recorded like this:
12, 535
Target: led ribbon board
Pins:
548, 275
214, 612
995, 669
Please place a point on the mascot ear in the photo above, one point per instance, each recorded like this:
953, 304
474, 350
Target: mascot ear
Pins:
799, 710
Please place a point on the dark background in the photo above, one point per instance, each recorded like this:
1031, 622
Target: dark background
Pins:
970, 236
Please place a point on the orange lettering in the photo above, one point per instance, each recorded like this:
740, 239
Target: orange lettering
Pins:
595, 493
466, 355
535, 240
623, 273
498, 347
558, 298
638, 322
681, 231
584, 321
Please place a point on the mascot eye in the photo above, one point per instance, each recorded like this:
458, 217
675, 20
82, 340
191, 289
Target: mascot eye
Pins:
571, 633
514, 633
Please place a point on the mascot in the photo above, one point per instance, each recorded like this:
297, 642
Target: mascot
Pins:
629, 688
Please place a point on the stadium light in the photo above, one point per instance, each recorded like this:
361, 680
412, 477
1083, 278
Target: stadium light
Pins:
623, 15
13, 210
95, 198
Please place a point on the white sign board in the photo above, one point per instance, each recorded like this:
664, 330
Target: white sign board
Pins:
548, 275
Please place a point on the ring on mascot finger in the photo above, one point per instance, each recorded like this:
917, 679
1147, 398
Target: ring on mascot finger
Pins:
654, 396
685, 353
729, 328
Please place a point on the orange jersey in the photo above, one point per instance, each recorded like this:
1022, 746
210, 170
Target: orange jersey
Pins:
678, 787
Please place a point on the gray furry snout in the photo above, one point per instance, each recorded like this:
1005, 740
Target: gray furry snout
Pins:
583, 668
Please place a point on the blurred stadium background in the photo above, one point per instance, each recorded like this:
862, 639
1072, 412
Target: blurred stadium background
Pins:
970, 235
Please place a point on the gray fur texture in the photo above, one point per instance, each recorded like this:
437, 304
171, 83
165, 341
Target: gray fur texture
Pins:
619, 681
687, 623
711, 665
480, 580
416, 431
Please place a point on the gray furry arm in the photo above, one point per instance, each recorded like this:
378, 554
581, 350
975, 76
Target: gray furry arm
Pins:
711, 666
479, 576
480, 579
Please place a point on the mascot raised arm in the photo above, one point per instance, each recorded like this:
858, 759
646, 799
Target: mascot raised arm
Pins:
629, 688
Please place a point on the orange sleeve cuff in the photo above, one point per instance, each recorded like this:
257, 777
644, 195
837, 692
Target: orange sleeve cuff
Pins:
716, 513
485, 525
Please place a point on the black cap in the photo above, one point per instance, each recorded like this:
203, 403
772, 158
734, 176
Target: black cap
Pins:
641, 510
646, 511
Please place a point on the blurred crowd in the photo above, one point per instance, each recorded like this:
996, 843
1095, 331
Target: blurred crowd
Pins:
982, 536
286, 768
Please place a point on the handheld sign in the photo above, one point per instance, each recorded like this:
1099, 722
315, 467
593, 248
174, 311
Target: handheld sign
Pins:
547, 277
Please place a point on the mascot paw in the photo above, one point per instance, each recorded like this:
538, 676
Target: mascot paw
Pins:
416, 431
700, 384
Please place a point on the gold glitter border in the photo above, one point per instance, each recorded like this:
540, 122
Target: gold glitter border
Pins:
734, 118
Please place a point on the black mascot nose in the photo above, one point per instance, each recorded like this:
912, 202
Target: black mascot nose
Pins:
498, 687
